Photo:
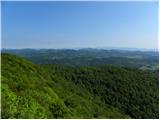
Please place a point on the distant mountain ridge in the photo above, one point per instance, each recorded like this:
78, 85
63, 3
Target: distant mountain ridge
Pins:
89, 48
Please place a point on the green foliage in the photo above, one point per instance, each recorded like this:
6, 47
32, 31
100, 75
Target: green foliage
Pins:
9, 102
133, 91
91, 57
54, 91
14, 106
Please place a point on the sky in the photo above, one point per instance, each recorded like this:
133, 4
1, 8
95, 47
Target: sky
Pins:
79, 24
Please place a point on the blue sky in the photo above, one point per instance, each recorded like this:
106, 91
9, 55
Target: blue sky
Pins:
79, 24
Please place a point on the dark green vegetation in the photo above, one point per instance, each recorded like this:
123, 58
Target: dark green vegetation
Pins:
91, 57
57, 91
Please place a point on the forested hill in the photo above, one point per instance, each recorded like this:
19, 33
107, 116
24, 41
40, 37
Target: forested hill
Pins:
90, 57
58, 91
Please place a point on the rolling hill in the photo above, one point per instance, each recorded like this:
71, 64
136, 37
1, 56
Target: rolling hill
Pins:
90, 57
57, 91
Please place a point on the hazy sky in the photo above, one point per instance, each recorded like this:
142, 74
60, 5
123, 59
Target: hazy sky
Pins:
79, 24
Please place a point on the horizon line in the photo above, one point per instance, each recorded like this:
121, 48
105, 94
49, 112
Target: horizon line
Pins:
100, 48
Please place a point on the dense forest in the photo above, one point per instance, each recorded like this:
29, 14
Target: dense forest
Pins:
32, 90
90, 57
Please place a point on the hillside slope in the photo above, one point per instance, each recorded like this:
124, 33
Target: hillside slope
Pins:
133, 91
55, 91
31, 91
